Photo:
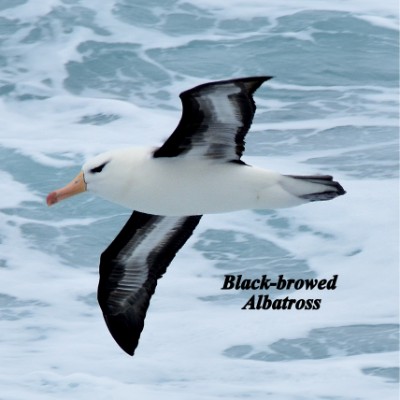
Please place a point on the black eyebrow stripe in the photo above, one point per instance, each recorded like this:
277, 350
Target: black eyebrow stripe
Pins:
99, 168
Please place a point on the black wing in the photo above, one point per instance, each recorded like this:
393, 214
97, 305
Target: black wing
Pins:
130, 267
215, 119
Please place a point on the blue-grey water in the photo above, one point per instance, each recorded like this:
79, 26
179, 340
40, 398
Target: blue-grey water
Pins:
78, 77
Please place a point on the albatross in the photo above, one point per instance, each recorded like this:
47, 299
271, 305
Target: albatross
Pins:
198, 170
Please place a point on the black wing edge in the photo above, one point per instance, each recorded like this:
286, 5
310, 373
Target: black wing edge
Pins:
254, 81
192, 116
127, 324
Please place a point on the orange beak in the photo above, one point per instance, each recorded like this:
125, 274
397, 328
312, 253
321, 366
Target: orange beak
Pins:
76, 186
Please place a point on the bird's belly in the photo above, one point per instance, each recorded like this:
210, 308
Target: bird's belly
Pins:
201, 194
176, 188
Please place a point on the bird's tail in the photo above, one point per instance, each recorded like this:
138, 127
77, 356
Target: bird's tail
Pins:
313, 187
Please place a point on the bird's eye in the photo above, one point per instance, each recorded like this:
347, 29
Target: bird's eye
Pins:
98, 169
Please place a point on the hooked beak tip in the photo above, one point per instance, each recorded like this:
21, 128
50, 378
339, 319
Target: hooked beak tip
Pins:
51, 198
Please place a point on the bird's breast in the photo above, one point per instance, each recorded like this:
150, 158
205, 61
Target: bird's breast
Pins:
176, 186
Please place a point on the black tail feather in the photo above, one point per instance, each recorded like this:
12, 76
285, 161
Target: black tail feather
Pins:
333, 188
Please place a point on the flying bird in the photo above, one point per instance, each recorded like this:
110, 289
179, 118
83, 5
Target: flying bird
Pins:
198, 170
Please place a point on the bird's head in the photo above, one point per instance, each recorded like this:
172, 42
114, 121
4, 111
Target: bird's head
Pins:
95, 176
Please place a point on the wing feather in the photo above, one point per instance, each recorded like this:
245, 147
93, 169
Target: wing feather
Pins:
215, 119
131, 266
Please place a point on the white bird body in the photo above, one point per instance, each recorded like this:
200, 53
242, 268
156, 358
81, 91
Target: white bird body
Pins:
180, 186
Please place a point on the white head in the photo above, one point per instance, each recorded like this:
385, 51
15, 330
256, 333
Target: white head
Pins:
103, 175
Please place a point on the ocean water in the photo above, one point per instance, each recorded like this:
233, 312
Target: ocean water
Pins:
78, 77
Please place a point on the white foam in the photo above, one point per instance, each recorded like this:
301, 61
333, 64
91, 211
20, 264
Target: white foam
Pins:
388, 23
13, 192
52, 127
257, 8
